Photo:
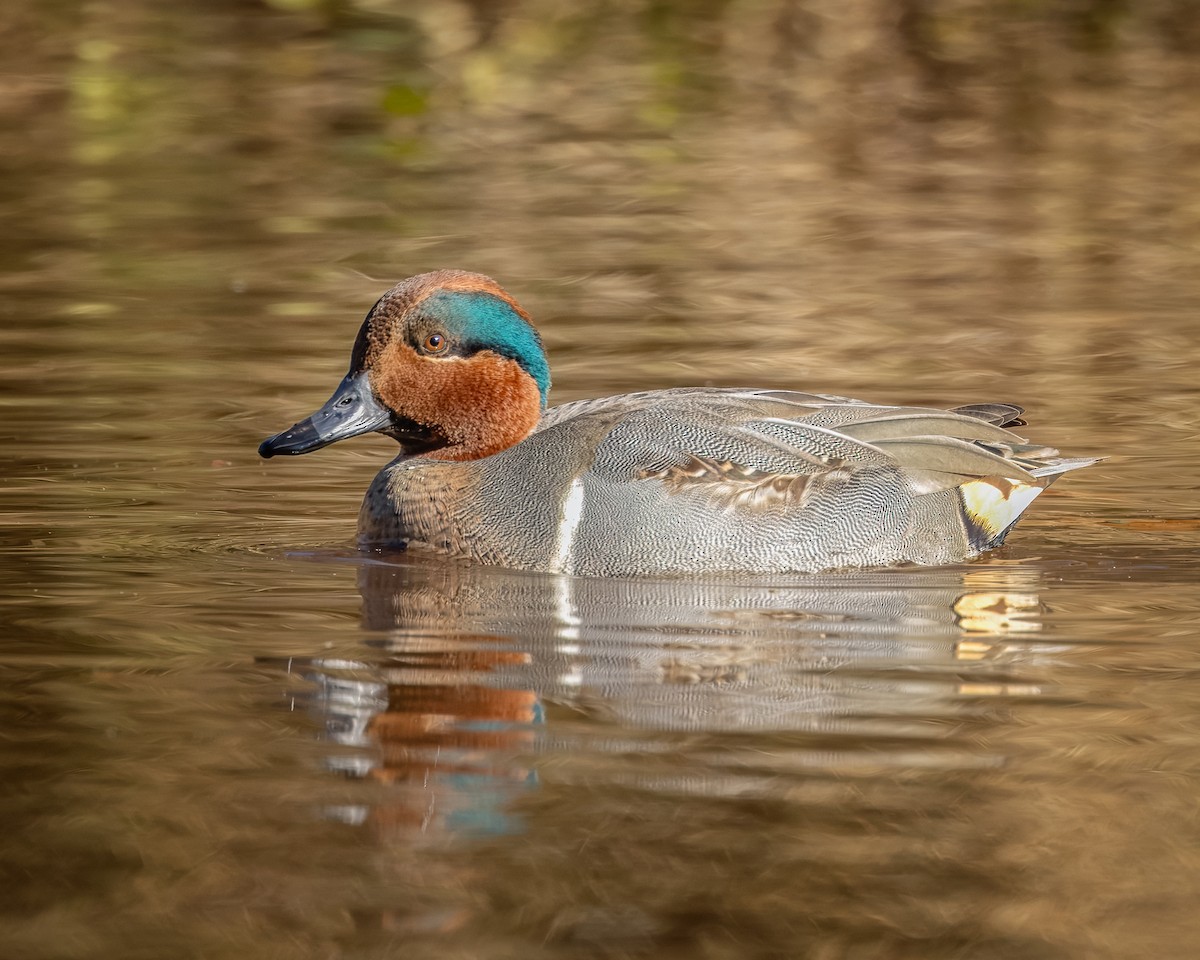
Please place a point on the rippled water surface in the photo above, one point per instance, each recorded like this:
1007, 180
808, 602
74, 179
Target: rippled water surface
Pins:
225, 733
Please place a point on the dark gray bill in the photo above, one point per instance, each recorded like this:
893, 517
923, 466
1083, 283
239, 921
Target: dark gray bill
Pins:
352, 410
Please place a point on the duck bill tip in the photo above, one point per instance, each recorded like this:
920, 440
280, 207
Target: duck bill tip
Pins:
350, 412
301, 438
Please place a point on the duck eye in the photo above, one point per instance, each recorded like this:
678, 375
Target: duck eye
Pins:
435, 343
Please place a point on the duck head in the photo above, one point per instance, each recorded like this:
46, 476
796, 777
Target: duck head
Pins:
446, 363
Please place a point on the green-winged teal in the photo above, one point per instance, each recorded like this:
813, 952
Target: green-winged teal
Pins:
695, 479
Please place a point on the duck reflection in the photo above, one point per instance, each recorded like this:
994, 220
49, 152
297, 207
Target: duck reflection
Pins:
420, 721
450, 707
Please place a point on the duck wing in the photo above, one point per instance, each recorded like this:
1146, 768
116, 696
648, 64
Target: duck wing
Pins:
732, 436
758, 452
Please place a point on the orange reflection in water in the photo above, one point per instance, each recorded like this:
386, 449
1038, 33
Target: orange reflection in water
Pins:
449, 745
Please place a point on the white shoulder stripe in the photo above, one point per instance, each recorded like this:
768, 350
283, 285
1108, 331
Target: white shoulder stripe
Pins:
572, 511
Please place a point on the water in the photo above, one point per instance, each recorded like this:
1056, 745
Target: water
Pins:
226, 733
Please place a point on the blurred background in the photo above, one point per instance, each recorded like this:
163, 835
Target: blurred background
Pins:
927, 185
227, 734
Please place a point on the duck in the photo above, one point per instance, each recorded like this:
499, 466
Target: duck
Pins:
683, 480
